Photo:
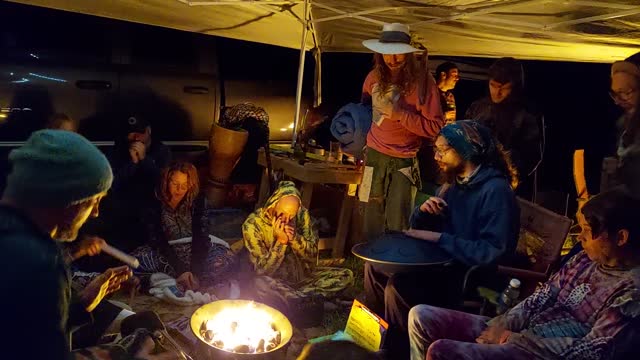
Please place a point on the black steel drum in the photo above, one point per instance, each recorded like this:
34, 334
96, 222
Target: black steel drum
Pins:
396, 252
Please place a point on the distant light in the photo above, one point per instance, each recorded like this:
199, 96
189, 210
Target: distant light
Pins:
47, 77
284, 129
34, 56
23, 80
11, 74
291, 126
2, 116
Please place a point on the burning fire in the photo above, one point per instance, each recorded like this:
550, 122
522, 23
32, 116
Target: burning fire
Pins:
244, 329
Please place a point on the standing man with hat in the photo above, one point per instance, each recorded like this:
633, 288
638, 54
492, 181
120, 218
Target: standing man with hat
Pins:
406, 110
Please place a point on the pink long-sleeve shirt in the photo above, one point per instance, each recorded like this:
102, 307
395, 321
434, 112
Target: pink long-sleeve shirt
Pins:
402, 134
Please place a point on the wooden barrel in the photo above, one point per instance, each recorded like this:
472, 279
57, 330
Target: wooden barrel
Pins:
225, 148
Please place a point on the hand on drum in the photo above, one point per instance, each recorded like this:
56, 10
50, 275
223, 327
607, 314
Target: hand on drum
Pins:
423, 235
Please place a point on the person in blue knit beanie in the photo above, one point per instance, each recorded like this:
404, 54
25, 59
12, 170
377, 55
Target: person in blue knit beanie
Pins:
56, 183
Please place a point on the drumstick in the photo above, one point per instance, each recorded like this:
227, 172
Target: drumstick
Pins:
125, 258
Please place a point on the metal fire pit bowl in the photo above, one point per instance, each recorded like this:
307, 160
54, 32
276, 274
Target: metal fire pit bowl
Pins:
208, 311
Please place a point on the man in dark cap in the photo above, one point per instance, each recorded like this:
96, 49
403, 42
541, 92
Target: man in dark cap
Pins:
136, 160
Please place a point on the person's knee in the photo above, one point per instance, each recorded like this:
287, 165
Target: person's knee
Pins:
415, 317
440, 349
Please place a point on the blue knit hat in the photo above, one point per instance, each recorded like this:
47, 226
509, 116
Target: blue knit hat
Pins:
56, 168
471, 140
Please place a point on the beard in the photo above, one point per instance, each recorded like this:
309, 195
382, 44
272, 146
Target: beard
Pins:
449, 173
66, 233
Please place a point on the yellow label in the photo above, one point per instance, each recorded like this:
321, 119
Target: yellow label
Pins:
366, 328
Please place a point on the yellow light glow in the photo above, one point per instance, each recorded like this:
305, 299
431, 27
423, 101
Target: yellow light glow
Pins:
234, 327
284, 129
291, 126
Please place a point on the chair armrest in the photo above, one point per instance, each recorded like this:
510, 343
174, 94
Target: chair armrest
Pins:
522, 274
474, 270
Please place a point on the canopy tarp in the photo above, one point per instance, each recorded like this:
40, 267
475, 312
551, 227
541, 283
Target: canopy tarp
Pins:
563, 30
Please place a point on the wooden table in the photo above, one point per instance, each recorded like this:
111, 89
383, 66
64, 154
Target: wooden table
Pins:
315, 172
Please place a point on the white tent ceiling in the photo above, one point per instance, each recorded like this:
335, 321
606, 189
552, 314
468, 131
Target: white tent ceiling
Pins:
573, 30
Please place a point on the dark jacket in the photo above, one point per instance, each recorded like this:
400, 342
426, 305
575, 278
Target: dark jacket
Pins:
37, 297
481, 222
136, 183
514, 126
158, 232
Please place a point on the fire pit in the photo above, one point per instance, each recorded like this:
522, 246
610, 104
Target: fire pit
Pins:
238, 329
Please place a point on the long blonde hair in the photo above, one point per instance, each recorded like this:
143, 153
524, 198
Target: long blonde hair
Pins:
192, 178
409, 76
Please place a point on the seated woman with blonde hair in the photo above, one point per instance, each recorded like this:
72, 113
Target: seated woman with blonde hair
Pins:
283, 248
179, 243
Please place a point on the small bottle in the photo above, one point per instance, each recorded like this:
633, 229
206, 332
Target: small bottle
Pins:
509, 297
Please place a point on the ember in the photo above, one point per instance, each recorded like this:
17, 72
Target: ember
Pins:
245, 330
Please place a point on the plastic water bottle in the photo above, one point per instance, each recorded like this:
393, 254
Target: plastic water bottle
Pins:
509, 297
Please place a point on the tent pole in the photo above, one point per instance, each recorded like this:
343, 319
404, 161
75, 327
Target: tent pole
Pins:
305, 26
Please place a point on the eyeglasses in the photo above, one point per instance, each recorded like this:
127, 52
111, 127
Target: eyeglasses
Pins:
622, 95
442, 152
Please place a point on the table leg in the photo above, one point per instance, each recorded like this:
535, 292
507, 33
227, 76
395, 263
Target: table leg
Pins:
344, 221
306, 192
264, 189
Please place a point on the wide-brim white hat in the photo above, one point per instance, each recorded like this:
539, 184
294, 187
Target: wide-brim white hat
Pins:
395, 38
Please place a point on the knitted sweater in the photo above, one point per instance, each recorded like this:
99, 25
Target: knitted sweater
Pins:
577, 314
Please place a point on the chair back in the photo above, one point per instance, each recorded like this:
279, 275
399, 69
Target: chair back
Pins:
542, 234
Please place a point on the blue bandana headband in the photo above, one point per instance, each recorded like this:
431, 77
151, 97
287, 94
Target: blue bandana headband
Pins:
471, 140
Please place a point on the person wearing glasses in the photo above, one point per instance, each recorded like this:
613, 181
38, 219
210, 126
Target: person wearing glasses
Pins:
178, 240
474, 217
625, 80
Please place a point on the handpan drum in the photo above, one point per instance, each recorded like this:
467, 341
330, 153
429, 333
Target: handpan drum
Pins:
395, 252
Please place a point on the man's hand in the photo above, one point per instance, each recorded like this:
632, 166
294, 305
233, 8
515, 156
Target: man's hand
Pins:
133, 154
434, 205
493, 335
103, 285
382, 102
188, 281
89, 245
138, 151
290, 231
280, 231
147, 348
423, 235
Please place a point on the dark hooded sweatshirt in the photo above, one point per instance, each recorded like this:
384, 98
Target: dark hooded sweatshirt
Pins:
482, 220
36, 292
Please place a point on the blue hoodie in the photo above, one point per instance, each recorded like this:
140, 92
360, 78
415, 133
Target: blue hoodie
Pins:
481, 222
